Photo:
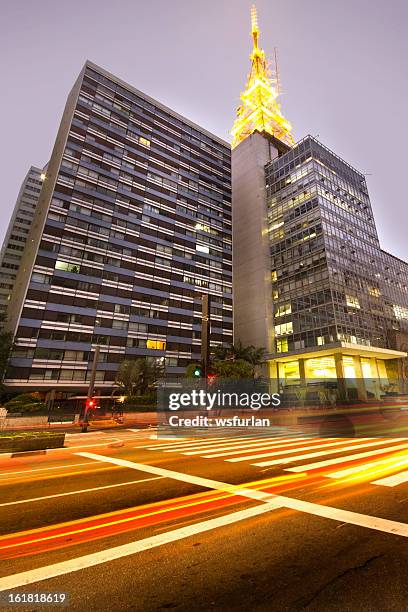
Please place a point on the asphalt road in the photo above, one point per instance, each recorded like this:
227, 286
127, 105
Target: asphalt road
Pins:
123, 521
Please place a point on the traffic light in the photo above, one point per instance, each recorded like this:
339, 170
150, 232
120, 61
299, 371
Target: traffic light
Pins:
90, 403
198, 371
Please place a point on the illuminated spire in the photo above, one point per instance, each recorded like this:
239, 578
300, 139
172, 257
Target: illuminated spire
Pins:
260, 109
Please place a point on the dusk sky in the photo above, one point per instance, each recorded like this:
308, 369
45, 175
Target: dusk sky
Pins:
343, 71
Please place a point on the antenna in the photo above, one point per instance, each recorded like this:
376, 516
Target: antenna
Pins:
276, 71
254, 19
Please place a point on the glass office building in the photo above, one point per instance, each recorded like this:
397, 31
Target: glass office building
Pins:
132, 227
339, 301
16, 235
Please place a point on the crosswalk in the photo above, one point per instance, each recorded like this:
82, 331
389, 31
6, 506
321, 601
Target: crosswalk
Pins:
380, 461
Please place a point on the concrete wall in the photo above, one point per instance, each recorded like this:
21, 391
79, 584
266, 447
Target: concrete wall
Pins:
253, 322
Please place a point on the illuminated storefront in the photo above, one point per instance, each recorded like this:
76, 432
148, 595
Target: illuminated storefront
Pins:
371, 373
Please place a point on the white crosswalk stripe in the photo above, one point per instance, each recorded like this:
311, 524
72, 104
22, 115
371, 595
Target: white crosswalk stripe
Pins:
372, 466
285, 450
201, 442
242, 450
324, 445
392, 481
186, 444
365, 455
249, 445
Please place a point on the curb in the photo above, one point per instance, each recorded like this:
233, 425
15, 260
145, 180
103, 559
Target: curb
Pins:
112, 444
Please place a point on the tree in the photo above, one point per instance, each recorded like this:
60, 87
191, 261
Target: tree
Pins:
255, 356
6, 345
251, 354
239, 368
233, 351
26, 402
137, 376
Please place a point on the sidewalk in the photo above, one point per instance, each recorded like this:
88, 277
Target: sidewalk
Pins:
129, 419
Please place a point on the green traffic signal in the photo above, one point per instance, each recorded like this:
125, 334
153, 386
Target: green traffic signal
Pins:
197, 371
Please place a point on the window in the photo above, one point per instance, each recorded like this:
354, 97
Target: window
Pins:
171, 361
164, 249
162, 262
156, 344
67, 267
44, 353
282, 345
284, 328
117, 324
144, 141
202, 249
400, 312
36, 277
136, 343
140, 327
352, 301
283, 309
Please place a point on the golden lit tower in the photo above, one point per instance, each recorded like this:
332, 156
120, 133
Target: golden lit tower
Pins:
260, 109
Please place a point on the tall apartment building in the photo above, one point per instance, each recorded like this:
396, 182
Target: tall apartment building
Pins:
16, 235
311, 283
132, 227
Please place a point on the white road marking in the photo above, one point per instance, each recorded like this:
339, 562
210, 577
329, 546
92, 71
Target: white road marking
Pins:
177, 442
120, 484
272, 502
336, 460
332, 452
392, 481
73, 565
245, 449
399, 463
249, 444
343, 516
54, 467
294, 451
196, 480
198, 443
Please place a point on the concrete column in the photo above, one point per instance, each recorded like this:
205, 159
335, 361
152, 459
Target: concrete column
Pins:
341, 383
361, 388
377, 389
302, 371
253, 306
273, 374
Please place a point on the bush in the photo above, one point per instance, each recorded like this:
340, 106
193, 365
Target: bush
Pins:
26, 402
233, 369
139, 400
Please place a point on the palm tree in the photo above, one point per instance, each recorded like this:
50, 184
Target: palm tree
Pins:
252, 354
255, 356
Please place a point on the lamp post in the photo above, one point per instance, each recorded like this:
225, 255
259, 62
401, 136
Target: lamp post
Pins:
205, 333
89, 400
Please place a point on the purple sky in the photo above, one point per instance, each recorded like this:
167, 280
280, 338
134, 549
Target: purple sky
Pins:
343, 70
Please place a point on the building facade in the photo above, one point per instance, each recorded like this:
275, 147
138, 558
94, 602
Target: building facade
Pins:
133, 226
16, 235
334, 310
311, 283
